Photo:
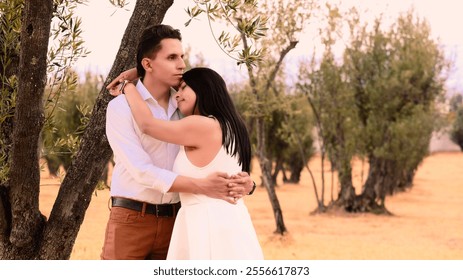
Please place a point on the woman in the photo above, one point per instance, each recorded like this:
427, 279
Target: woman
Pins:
213, 138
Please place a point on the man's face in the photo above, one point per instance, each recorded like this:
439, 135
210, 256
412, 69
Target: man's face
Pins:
167, 66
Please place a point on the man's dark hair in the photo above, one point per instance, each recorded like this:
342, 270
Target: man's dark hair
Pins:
150, 42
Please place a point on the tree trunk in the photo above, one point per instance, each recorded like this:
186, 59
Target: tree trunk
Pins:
296, 166
278, 168
27, 222
266, 168
53, 165
341, 158
94, 152
406, 180
379, 178
346, 198
57, 238
265, 164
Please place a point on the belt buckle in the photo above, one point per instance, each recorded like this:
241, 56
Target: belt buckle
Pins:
157, 210
168, 212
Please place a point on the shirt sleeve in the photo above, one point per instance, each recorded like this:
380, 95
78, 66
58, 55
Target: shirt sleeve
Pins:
127, 148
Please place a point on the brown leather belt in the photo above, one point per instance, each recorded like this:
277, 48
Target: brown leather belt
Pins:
160, 210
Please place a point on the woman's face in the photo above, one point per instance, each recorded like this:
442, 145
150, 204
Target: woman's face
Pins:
186, 99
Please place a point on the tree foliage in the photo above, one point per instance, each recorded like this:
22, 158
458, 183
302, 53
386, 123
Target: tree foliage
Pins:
252, 27
68, 119
456, 133
398, 76
10, 26
332, 103
380, 99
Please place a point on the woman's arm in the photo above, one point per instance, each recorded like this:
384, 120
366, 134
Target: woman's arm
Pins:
130, 75
187, 132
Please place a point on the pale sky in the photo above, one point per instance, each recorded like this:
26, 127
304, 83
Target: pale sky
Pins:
104, 25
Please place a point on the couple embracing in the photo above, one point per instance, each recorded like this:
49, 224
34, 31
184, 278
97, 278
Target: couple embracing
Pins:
182, 161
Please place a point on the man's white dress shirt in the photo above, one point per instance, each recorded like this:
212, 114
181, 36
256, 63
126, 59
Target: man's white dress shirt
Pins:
143, 164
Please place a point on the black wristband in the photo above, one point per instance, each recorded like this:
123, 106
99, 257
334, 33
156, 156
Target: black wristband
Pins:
253, 188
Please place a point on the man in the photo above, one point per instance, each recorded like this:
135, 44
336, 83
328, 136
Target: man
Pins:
144, 195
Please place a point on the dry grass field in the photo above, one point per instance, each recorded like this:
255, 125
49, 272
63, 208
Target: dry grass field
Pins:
427, 221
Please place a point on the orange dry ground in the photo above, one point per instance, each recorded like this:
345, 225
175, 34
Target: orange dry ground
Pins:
427, 223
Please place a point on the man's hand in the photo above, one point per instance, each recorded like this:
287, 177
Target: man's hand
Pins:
216, 185
240, 185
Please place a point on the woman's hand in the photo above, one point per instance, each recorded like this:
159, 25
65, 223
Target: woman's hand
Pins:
114, 86
241, 184
119, 89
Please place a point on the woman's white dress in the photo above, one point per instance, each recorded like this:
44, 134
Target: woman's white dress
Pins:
208, 228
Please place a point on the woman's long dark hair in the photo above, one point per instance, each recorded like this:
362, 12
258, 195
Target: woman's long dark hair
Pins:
212, 98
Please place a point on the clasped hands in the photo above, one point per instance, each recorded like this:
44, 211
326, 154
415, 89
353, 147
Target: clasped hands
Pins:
228, 188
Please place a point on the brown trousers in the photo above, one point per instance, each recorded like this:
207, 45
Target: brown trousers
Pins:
131, 235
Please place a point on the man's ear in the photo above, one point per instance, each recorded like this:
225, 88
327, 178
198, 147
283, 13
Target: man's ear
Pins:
146, 63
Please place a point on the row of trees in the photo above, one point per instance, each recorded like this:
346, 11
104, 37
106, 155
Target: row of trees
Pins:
376, 101
456, 117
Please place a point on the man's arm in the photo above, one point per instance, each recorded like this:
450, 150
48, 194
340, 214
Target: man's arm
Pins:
129, 151
215, 185
218, 185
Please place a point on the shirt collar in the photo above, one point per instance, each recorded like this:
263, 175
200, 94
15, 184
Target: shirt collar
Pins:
172, 100
146, 95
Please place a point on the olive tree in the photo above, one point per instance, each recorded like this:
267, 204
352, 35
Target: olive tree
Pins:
377, 101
